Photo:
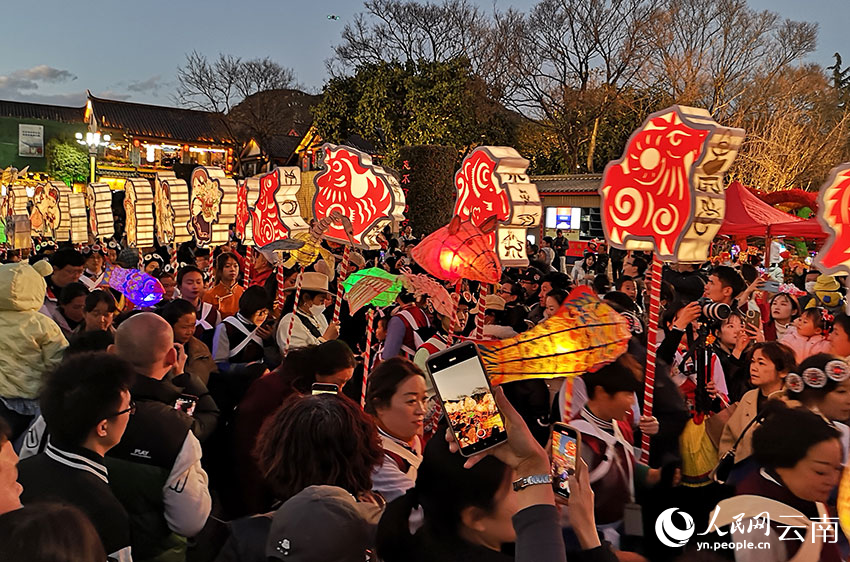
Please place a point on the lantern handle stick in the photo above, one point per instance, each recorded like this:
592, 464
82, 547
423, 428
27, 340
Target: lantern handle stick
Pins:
651, 348
298, 283
479, 318
346, 258
368, 355
249, 266
455, 304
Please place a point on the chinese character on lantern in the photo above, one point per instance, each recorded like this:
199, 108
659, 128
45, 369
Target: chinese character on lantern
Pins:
492, 180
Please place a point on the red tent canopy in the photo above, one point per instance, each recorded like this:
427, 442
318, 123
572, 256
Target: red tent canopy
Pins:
747, 215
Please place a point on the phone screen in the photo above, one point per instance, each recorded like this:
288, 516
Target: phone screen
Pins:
565, 444
468, 402
324, 388
186, 404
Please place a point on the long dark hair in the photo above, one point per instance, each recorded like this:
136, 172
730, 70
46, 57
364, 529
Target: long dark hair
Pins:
444, 488
324, 439
49, 532
301, 365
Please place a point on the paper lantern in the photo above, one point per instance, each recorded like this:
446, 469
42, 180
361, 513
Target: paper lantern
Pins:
460, 250
371, 286
18, 200
77, 218
367, 194
834, 217
492, 180
584, 334
46, 213
171, 196
666, 193
140, 288
213, 205
138, 208
422, 285
101, 221
276, 214
247, 193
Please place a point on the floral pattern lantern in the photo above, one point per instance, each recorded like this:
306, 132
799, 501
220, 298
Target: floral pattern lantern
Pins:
493, 180
213, 205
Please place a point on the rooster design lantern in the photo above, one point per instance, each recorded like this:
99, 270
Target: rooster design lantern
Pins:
666, 193
365, 193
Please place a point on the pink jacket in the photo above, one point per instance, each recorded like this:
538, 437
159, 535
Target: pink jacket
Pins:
804, 347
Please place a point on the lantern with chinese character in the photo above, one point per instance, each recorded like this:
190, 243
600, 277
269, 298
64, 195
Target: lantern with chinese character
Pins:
138, 208
834, 217
171, 196
367, 194
666, 193
493, 180
460, 250
276, 214
213, 205
99, 199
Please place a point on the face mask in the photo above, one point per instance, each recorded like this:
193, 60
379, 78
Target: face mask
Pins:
810, 286
317, 309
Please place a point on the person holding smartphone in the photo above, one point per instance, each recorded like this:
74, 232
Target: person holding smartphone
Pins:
471, 506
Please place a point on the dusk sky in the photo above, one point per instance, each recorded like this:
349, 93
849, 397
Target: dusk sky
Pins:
54, 51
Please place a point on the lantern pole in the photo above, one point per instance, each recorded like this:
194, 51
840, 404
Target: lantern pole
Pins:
249, 266
479, 318
651, 348
340, 290
298, 283
455, 304
368, 362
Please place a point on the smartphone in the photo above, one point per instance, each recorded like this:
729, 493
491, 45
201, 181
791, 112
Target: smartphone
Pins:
754, 319
466, 397
186, 404
566, 445
770, 287
324, 388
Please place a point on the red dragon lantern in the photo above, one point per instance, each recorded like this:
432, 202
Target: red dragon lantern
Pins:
666, 193
492, 181
365, 193
834, 217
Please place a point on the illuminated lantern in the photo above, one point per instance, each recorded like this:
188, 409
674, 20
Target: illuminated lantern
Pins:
584, 334
171, 196
666, 193
460, 250
18, 203
140, 288
371, 286
493, 180
46, 212
101, 221
138, 208
367, 194
276, 214
213, 205
834, 217
247, 193
77, 218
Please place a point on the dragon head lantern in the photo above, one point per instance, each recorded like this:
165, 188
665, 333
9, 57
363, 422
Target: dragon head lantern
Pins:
666, 193
492, 181
834, 217
365, 193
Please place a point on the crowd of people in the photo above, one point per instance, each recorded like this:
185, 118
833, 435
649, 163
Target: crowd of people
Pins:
231, 421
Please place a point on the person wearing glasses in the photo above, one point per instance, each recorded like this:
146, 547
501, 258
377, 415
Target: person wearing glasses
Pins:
86, 404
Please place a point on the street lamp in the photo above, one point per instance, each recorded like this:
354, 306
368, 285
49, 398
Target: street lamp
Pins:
94, 141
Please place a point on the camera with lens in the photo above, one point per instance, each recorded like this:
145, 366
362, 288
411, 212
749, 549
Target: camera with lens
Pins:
714, 311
